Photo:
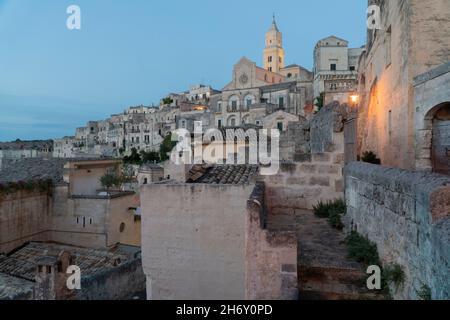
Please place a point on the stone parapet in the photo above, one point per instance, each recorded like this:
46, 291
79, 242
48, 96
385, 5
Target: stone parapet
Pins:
271, 256
407, 214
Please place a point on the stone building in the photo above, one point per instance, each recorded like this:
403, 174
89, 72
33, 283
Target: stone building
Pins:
413, 39
335, 69
75, 209
274, 52
64, 147
249, 97
26, 149
150, 173
206, 239
432, 120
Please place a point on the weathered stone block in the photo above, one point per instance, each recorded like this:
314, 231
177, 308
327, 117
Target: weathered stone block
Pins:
339, 159
297, 181
339, 185
321, 157
307, 168
320, 181
328, 169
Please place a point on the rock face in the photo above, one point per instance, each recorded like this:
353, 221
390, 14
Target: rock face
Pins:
407, 215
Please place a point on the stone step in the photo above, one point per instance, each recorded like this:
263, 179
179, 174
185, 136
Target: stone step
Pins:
331, 283
327, 274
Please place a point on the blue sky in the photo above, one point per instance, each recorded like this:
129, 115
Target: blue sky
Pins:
53, 80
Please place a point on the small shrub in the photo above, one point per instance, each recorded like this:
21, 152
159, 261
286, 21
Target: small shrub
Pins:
362, 249
110, 180
333, 210
394, 274
370, 157
335, 220
321, 210
424, 293
30, 185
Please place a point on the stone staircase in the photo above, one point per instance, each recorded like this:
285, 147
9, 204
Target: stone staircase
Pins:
324, 270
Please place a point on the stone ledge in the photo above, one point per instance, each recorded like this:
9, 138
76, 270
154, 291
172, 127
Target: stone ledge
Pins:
413, 183
431, 74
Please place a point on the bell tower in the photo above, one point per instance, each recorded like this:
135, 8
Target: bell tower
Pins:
274, 52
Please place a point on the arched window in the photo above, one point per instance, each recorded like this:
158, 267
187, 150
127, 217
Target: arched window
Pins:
233, 104
249, 100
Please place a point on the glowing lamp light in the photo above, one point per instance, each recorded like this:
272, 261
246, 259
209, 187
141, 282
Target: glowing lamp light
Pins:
354, 98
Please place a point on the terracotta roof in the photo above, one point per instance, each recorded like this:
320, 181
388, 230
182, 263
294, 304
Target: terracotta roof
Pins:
21, 263
13, 288
14, 170
222, 174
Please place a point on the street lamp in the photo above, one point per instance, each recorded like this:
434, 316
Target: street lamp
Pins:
354, 99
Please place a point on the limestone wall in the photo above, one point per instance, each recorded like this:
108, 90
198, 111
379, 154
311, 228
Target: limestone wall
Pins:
431, 90
24, 216
413, 39
193, 240
294, 142
407, 215
316, 172
96, 221
271, 257
122, 282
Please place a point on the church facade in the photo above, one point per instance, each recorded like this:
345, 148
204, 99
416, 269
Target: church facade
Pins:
255, 92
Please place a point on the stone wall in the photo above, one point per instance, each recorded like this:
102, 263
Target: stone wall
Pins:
431, 91
294, 142
271, 257
94, 221
413, 40
24, 216
119, 283
314, 176
193, 240
84, 221
407, 215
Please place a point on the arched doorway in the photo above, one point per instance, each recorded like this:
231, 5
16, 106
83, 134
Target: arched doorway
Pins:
440, 139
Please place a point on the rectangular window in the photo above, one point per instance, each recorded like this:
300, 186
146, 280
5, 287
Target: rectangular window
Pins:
270, 69
281, 102
234, 105
219, 123
249, 103
352, 68
333, 67
269, 59
280, 126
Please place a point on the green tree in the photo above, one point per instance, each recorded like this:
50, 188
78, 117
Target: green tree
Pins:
151, 156
167, 100
318, 101
110, 180
134, 158
166, 146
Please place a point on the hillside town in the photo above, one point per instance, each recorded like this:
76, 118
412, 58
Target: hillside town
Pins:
362, 181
